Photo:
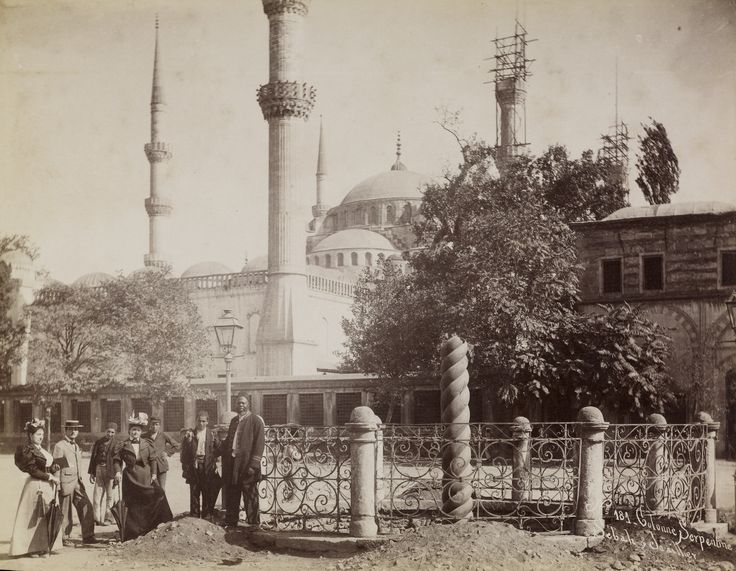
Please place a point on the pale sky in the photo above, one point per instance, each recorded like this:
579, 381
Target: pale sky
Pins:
76, 86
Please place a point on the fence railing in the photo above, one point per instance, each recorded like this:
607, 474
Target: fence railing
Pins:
528, 474
656, 469
528, 478
306, 478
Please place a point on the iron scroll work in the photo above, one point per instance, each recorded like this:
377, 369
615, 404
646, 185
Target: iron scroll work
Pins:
526, 478
529, 477
656, 470
306, 478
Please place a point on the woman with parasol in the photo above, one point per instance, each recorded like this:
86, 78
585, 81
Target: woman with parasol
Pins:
144, 504
31, 535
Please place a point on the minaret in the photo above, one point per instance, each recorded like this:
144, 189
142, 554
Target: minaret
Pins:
510, 73
285, 340
158, 204
320, 208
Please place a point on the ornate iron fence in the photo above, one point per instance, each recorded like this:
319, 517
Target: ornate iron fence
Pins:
655, 469
528, 478
306, 478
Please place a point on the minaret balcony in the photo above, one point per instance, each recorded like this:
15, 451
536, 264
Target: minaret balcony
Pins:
157, 152
286, 99
156, 207
276, 7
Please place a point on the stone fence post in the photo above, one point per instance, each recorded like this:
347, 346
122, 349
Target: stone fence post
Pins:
589, 517
711, 511
520, 461
656, 465
362, 427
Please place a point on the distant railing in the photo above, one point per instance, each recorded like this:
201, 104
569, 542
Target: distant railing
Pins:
227, 281
327, 285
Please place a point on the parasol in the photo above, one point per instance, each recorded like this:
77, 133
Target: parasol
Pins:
53, 520
120, 512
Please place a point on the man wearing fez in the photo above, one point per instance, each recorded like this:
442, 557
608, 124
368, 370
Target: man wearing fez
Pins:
199, 452
102, 475
241, 464
68, 457
159, 440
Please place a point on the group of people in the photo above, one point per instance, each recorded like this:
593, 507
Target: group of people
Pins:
134, 470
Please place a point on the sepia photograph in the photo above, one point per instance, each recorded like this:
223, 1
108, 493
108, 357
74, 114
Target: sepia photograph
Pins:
346, 285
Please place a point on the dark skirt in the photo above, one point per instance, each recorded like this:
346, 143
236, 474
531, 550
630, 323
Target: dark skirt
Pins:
147, 505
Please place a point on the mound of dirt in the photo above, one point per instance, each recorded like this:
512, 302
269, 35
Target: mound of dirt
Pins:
493, 546
187, 540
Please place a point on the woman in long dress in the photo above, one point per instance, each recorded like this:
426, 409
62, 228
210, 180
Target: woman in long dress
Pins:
136, 470
30, 536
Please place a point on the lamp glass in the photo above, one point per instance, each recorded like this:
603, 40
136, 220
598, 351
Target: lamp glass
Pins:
225, 328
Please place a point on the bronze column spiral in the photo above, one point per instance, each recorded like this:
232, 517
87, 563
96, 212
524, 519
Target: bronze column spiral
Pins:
457, 501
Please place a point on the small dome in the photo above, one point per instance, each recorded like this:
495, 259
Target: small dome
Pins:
354, 239
673, 209
394, 184
206, 269
93, 279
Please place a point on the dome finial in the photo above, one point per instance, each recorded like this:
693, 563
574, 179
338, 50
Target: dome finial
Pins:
157, 20
398, 165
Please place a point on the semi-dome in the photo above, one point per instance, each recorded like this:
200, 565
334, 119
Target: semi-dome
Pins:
93, 279
206, 269
394, 184
354, 239
672, 209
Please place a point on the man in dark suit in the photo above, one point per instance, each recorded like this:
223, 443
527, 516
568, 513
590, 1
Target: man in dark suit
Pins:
68, 456
241, 464
160, 441
102, 474
199, 452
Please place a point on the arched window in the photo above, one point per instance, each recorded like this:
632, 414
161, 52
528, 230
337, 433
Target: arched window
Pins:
359, 217
390, 214
405, 214
307, 260
368, 259
354, 258
253, 322
373, 216
328, 261
316, 260
340, 259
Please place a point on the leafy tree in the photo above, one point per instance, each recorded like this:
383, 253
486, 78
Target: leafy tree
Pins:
657, 165
12, 330
497, 265
141, 332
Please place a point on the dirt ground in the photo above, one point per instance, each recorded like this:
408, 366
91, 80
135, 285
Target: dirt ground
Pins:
188, 543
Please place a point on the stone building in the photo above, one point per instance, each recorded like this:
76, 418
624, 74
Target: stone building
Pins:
678, 263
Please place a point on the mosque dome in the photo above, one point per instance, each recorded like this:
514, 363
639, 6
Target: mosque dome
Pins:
93, 279
672, 209
354, 239
206, 269
397, 183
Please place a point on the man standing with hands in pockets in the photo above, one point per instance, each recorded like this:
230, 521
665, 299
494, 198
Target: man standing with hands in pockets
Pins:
241, 464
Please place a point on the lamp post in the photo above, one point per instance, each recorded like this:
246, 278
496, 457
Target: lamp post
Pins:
225, 328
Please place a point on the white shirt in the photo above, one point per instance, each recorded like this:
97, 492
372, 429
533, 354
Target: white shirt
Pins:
137, 448
47, 455
201, 436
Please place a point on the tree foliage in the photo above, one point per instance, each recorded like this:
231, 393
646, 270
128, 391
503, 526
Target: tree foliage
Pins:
657, 165
12, 328
497, 265
141, 332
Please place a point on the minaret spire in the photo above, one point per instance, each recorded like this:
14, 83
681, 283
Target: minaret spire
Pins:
320, 208
158, 204
398, 165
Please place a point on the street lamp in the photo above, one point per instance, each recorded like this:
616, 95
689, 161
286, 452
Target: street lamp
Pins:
731, 308
225, 328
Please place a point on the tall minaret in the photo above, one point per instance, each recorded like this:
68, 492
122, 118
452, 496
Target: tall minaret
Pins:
285, 339
158, 204
320, 208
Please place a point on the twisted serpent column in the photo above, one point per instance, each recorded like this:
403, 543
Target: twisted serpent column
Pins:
457, 501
